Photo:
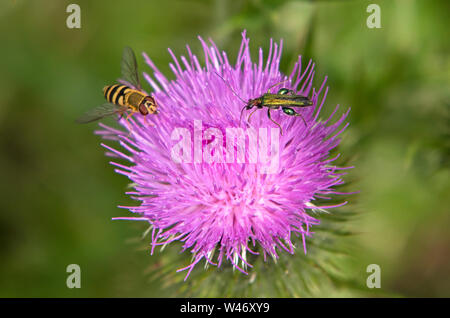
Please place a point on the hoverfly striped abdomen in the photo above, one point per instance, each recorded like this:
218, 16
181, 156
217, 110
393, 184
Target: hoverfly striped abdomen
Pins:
116, 94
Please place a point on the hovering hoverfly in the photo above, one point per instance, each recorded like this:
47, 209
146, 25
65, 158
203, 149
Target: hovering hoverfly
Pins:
286, 99
122, 98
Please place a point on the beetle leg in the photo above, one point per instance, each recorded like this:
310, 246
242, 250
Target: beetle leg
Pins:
268, 115
304, 121
294, 114
248, 119
240, 118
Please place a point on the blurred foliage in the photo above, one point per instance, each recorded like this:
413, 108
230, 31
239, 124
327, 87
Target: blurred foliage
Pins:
59, 192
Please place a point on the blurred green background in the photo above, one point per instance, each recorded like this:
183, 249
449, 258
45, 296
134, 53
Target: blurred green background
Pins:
58, 192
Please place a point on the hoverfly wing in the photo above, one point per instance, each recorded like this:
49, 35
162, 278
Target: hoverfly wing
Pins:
129, 67
99, 112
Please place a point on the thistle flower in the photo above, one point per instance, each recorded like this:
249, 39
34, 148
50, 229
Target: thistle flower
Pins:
223, 209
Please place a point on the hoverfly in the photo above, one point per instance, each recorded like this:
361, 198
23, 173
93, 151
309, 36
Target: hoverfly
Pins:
122, 98
285, 98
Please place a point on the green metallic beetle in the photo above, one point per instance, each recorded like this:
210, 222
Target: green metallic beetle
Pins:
285, 99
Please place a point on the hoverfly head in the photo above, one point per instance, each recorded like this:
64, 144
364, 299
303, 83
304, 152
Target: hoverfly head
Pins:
148, 106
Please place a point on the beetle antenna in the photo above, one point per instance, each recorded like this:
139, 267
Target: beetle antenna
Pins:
226, 83
287, 80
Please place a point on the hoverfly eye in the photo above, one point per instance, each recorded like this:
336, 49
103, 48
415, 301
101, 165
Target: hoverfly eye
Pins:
143, 109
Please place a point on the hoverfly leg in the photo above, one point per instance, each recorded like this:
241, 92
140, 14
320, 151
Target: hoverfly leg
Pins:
130, 128
120, 112
270, 117
148, 123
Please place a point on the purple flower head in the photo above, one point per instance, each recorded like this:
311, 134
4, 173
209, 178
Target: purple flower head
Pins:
200, 183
